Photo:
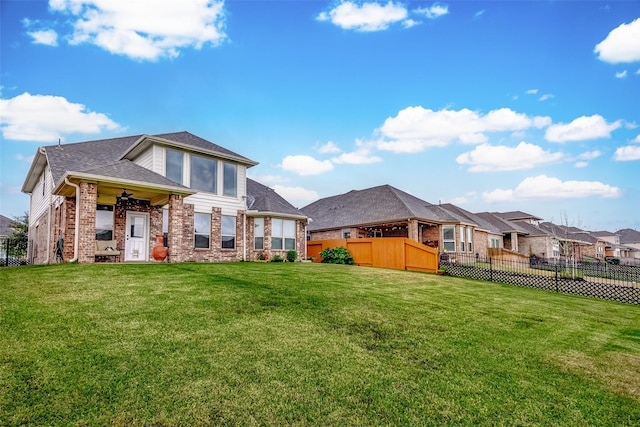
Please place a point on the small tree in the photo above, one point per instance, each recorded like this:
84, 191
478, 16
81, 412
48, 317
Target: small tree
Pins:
20, 236
338, 255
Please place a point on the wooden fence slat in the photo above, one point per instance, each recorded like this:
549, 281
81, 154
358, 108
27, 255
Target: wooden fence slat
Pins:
397, 253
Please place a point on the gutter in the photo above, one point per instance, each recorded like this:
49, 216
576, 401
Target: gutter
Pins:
44, 153
77, 225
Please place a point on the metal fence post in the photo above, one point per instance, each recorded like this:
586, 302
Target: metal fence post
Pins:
556, 277
491, 269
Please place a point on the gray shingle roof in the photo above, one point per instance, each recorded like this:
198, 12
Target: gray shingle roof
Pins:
500, 225
370, 206
105, 157
629, 235
469, 217
5, 226
126, 169
516, 215
264, 199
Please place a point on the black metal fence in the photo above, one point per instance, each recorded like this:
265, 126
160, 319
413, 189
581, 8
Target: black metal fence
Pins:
13, 252
599, 280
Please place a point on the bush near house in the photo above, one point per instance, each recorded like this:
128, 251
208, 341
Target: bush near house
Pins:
338, 255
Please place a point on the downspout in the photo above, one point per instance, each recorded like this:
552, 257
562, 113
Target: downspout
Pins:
77, 224
244, 235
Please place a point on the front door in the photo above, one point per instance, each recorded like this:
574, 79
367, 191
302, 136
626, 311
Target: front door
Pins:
137, 237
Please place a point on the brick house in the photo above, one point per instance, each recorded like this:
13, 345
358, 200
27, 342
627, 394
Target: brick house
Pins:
192, 195
386, 211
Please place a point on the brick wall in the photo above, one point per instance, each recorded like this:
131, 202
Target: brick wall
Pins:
480, 242
87, 230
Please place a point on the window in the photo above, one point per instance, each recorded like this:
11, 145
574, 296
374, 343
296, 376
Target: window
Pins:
204, 172
462, 232
228, 232
276, 233
283, 234
289, 235
346, 233
495, 243
470, 238
258, 233
449, 238
202, 230
230, 179
173, 166
104, 222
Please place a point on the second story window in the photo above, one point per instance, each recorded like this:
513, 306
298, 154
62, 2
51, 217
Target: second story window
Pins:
230, 179
173, 166
204, 174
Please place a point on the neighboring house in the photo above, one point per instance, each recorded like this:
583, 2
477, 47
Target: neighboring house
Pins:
5, 226
630, 238
386, 211
129, 190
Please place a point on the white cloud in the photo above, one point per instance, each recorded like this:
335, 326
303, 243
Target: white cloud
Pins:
365, 17
531, 91
434, 11
306, 165
621, 74
26, 159
627, 153
491, 158
580, 129
45, 118
621, 45
145, 30
590, 155
581, 164
415, 128
542, 187
295, 195
328, 148
269, 180
46, 37
545, 97
361, 156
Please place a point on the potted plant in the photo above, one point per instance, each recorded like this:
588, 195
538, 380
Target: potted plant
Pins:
442, 270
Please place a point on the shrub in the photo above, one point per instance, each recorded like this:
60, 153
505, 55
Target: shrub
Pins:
338, 255
277, 258
261, 256
292, 255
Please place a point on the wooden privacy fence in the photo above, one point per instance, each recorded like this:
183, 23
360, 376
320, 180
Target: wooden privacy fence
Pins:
398, 253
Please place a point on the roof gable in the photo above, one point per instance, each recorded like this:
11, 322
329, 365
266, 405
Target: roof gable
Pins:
101, 157
263, 199
370, 206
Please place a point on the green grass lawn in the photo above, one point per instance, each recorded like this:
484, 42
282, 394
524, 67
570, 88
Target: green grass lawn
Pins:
306, 344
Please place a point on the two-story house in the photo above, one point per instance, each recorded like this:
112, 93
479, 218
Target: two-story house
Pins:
129, 190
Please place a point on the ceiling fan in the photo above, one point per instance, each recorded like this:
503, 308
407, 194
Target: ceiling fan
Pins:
125, 196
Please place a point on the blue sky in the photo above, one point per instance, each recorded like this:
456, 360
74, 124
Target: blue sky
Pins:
492, 106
